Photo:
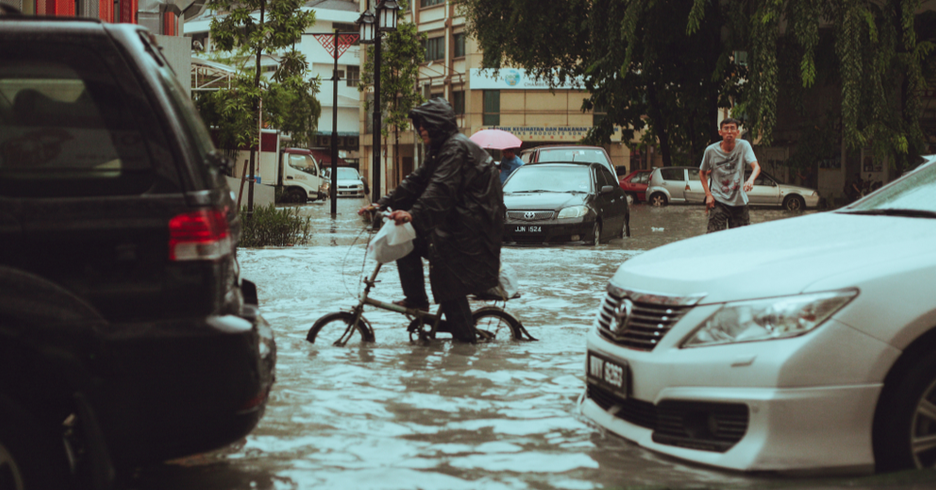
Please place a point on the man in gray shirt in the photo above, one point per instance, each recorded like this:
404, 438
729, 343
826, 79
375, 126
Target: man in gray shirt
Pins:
726, 199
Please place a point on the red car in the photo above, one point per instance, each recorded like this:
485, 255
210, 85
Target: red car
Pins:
635, 184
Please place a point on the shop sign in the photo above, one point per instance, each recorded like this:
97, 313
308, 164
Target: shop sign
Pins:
514, 79
541, 133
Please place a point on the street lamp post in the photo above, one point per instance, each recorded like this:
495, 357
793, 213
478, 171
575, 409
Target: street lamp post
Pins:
372, 28
339, 42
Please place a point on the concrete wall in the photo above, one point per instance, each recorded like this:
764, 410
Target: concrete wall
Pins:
178, 50
263, 194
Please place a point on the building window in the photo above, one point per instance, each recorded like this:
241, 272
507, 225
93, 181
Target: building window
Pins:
429, 3
491, 108
435, 49
459, 41
458, 102
354, 75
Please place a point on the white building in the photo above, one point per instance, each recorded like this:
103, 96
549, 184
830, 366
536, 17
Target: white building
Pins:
329, 16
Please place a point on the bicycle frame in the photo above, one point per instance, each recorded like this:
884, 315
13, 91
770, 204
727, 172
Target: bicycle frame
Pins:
417, 315
358, 311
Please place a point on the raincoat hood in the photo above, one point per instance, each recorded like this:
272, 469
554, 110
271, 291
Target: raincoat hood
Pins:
438, 117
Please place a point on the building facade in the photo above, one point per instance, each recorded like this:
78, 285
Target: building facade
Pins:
159, 16
317, 44
510, 100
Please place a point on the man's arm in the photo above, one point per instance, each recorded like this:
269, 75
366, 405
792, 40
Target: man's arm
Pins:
709, 198
749, 184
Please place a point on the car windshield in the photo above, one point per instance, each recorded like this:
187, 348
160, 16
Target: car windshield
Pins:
347, 173
549, 178
912, 195
571, 155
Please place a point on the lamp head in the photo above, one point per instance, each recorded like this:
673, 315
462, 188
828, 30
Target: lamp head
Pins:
387, 15
367, 24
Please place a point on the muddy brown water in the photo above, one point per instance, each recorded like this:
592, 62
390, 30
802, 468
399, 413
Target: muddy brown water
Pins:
399, 415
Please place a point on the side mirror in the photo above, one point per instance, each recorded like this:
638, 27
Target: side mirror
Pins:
607, 189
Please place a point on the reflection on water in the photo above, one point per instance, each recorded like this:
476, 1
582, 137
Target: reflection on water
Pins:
397, 415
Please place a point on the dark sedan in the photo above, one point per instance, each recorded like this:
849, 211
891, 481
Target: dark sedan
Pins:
565, 202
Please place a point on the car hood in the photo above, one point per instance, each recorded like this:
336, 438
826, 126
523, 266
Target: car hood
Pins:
544, 200
349, 181
790, 256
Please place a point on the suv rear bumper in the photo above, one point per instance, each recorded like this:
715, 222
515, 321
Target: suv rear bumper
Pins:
154, 402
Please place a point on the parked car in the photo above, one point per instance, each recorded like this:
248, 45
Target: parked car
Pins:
567, 153
802, 344
635, 184
564, 202
126, 336
682, 185
350, 183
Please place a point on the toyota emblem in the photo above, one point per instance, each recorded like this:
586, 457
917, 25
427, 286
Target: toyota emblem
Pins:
623, 313
529, 215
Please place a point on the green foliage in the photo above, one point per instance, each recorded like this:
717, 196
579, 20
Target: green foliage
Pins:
249, 29
634, 57
401, 53
268, 226
664, 66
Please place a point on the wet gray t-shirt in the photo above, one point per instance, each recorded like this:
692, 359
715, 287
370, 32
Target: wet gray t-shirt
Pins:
728, 171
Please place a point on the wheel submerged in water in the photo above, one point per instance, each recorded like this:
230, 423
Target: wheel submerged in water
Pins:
491, 323
331, 327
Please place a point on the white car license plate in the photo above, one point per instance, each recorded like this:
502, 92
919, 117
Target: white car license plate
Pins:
529, 229
608, 374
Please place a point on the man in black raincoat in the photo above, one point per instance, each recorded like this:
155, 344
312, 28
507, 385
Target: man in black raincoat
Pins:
456, 204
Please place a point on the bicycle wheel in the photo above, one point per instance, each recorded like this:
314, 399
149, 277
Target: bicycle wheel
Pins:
497, 322
329, 329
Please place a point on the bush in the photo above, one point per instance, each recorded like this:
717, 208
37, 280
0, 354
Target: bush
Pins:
274, 227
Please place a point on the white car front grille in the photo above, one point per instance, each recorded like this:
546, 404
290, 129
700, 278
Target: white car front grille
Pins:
640, 320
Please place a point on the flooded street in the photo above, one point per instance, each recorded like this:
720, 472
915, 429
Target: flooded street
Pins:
400, 415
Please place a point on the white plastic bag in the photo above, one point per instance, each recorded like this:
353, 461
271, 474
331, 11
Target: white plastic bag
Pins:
508, 286
392, 242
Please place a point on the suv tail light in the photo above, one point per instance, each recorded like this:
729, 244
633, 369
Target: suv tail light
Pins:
199, 235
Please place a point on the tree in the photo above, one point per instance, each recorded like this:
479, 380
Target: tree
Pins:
401, 53
882, 51
667, 64
635, 58
253, 28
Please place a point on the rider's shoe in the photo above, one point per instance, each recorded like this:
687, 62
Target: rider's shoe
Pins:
405, 304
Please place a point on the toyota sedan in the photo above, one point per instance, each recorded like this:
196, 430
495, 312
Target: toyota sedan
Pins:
564, 202
802, 344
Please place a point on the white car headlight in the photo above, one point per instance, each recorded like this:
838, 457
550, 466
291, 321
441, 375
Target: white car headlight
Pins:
573, 212
768, 319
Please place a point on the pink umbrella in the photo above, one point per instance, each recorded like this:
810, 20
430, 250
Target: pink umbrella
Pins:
495, 139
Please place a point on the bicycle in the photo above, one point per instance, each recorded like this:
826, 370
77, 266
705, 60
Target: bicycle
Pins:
489, 320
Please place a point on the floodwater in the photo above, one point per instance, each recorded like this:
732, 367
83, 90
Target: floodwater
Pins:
401, 415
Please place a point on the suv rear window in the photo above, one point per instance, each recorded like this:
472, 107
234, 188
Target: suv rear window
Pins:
65, 129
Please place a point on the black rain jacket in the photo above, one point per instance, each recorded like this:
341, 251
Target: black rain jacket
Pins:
457, 204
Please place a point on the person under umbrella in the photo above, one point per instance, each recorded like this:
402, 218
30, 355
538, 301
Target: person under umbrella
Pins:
509, 162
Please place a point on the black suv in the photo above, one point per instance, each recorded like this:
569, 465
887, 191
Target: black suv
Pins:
126, 335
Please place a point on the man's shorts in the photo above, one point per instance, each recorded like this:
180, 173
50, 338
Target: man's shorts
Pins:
724, 216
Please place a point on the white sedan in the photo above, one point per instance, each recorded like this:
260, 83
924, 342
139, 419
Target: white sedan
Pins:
350, 183
802, 344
